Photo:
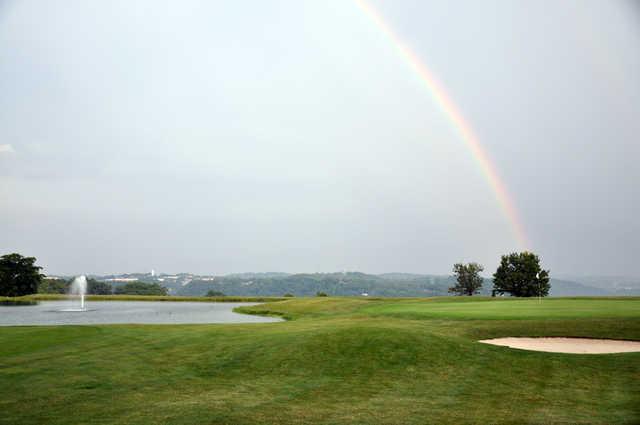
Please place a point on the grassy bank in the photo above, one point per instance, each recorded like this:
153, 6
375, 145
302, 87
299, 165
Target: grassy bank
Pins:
339, 360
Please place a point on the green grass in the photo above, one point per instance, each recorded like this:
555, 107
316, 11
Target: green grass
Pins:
553, 308
338, 360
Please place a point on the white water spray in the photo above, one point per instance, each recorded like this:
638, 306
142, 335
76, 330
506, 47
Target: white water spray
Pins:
79, 288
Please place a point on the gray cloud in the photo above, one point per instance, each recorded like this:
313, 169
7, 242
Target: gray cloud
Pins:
286, 135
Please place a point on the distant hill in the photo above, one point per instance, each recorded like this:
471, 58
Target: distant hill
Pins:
357, 283
346, 284
612, 285
563, 288
401, 276
257, 275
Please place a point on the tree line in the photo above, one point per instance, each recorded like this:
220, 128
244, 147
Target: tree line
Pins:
96, 287
20, 276
519, 274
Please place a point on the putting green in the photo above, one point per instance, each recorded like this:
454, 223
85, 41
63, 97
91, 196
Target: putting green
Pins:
550, 308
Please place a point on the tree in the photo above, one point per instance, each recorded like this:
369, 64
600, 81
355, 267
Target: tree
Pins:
468, 280
213, 293
18, 275
141, 288
54, 286
95, 287
520, 275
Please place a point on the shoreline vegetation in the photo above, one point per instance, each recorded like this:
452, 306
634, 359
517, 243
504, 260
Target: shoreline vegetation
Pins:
269, 299
62, 297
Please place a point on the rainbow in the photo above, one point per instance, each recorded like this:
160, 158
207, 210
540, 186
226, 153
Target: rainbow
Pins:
463, 128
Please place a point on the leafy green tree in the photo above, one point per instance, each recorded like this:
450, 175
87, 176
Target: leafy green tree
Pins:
141, 288
18, 275
520, 275
468, 280
213, 293
321, 294
95, 287
54, 286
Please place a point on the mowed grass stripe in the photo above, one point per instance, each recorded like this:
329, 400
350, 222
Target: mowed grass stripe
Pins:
551, 308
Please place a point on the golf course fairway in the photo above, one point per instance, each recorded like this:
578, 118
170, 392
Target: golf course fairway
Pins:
334, 361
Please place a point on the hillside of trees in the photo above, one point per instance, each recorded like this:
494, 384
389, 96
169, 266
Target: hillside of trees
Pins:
351, 284
345, 284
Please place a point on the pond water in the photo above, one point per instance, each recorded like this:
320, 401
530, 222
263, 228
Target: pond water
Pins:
119, 312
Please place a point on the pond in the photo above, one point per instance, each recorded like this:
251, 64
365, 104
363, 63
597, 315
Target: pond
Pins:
121, 312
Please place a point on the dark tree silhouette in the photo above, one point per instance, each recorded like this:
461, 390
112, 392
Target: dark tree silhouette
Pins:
520, 275
18, 275
468, 280
95, 287
141, 288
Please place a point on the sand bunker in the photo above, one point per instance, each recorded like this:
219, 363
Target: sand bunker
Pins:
568, 345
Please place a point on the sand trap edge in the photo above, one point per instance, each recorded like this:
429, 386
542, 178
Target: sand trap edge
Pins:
567, 345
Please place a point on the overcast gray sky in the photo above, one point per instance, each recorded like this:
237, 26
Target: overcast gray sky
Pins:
229, 136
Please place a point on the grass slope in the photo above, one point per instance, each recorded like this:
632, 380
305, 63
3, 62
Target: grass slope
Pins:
339, 360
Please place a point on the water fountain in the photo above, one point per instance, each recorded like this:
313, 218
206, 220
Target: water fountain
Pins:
78, 289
